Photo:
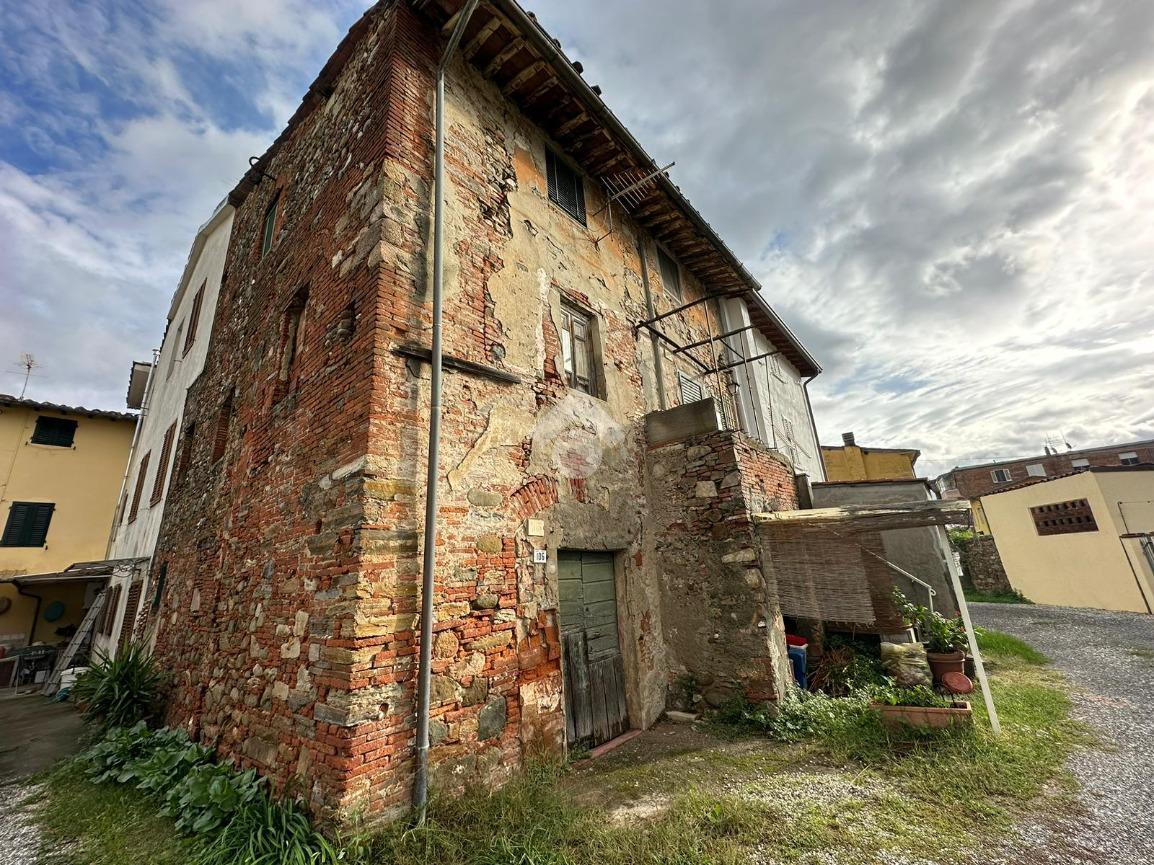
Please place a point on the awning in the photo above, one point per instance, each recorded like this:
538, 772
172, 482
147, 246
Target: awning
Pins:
80, 571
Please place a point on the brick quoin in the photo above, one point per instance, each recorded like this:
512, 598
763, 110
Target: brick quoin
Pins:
292, 560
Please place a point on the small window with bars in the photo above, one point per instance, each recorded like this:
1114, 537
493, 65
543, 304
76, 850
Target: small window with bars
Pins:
55, 431
690, 389
27, 524
1064, 518
577, 350
670, 273
566, 188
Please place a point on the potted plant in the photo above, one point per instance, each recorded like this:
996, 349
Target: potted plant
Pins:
920, 706
944, 639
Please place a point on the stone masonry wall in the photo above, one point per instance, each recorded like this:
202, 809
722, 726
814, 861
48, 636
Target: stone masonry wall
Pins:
291, 551
982, 566
722, 623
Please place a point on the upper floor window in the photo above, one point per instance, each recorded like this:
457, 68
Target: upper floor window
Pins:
141, 474
292, 336
162, 466
56, 431
566, 188
27, 524
670, 273
269, 232
1130, 458
577, 349
1001, 476
173, 354
1080, 463
1037, 470
194, 317
690, 390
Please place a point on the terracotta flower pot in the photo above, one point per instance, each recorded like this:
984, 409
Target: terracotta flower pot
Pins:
926, 717
945, 662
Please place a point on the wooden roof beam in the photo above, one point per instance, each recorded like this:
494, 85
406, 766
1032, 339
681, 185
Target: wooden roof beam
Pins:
488, 29
522, 78
503, 56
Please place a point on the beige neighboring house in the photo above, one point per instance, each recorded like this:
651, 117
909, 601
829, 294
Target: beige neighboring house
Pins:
1085, 539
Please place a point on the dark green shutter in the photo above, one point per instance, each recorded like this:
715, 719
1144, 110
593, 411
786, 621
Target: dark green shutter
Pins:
56, 431
566, 189
27, 524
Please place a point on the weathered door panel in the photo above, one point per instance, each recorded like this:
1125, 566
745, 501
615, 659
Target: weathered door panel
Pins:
595, 709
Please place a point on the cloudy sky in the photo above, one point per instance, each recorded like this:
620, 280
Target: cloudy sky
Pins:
952, 203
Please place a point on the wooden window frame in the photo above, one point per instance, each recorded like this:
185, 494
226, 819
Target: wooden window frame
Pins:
162, 465
683, 382
1008, 479
591, 383
25, 537
670, 271
557, 168
138, 490
194, 318
1130, 458
48, 430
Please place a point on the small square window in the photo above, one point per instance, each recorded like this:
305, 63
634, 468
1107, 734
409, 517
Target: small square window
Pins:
1130, 458
566, 188
1001, 476
577, 350
1037, 470
55, 431
670, 273
27, 524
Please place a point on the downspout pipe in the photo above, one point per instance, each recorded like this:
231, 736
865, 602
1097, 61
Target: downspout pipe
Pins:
813, 423
429, 563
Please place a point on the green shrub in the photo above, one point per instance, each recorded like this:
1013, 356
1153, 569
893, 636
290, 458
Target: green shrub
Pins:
919, 695
229, 811
121, 691
937, 632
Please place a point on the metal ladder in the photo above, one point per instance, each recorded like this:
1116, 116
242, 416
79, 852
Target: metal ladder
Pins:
82, 633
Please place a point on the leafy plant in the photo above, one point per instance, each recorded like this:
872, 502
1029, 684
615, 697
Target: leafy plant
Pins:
264, 832
936, 631
919, 695
121, 691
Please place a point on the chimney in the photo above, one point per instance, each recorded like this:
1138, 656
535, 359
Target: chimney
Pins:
847, 440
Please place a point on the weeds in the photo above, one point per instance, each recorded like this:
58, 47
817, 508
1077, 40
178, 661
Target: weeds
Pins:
121, 691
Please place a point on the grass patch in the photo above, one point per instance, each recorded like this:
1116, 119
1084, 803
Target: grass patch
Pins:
94, 824
845, 790
1001, 645
976, 597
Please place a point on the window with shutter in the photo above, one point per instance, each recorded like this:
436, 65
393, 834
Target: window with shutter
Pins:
55, 431
670, 273
690, 389
577, 350
223, 421
566, 188
141, 474
162, 465
194, 317
27, 524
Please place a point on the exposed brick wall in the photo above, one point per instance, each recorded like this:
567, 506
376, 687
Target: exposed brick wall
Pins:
293, 561
720, 614
982, 566
973, 483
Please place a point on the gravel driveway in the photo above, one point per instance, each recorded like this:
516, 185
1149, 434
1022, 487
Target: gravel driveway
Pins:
1109, 659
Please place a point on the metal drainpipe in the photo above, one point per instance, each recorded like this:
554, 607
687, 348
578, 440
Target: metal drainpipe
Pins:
813, 424
425, 669
35, 612
658, 361
116, 514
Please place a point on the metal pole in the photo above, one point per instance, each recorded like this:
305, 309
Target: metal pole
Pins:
429, 562
655, 340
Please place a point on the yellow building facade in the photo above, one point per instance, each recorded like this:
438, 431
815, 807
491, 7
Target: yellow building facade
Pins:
1083, 540
61, 470
851, 462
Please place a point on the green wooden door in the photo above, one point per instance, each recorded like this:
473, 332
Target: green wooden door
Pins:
594, 673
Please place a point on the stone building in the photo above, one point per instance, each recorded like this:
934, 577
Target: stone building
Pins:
606, 433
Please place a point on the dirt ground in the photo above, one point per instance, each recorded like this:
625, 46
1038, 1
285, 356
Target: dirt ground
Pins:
36, 733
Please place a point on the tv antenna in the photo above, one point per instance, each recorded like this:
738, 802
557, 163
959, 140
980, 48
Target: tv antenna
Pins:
29, 363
